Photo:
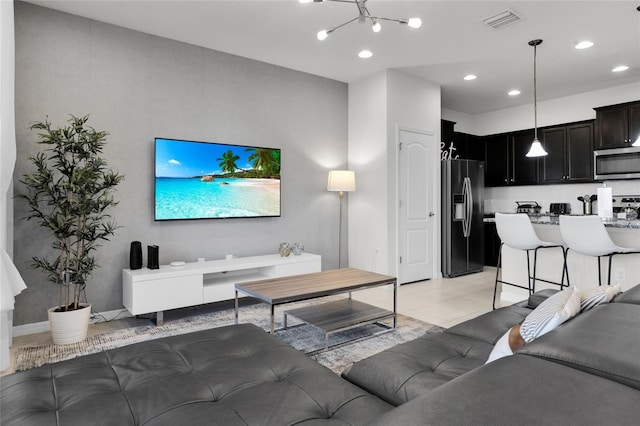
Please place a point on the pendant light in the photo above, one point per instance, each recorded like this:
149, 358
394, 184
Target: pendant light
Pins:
536, 149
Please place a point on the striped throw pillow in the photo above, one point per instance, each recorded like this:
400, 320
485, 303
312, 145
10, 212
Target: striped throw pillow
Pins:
557, 309
596, 296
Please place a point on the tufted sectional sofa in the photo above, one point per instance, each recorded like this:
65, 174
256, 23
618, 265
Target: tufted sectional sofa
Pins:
585, 372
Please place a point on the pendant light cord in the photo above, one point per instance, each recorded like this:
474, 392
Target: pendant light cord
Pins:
535, 94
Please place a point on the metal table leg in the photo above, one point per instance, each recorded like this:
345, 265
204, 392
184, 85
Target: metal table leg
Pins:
395, 304
236, 308
272, 318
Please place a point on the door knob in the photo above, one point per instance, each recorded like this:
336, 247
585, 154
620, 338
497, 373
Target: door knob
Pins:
431, 214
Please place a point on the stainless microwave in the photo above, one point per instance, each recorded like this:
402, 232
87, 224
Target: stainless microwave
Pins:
617, 163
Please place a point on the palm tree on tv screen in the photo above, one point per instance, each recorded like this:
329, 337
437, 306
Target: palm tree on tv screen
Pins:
265, 159
227, 162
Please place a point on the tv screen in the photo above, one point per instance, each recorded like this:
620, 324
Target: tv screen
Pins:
205, 180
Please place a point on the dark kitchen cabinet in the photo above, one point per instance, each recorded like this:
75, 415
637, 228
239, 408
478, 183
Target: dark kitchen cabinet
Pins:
469, 147
524, 170
491, 244
506, 162
570, 153
496, 162
617, 126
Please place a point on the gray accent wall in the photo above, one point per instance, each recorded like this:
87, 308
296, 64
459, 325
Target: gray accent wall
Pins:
138, 86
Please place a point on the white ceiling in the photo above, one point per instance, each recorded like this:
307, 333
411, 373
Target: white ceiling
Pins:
451, 43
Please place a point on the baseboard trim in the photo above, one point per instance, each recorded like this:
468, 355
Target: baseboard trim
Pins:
41, 327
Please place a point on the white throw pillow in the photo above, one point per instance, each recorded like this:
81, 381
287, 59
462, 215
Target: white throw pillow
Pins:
596, 296
501, 349
551, 313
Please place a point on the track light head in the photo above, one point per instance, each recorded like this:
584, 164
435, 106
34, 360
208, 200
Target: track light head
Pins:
415, 22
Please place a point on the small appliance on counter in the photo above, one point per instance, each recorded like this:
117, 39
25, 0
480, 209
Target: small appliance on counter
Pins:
587, 203
626, 207
532, 208
556, 209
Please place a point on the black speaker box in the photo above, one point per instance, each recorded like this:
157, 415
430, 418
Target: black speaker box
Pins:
152, 257
135, 255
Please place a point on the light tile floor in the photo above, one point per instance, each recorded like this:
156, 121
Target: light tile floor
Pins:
443, 302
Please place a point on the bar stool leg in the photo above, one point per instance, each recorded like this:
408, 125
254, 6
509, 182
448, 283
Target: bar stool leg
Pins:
566, 265
495, 287
609, 279
599, 272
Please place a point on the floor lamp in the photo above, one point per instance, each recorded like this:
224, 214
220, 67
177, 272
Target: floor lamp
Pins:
342, 181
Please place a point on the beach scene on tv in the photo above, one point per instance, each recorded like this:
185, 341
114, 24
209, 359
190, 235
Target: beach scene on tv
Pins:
199, 180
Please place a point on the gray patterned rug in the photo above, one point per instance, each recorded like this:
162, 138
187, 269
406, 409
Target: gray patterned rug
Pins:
301, 336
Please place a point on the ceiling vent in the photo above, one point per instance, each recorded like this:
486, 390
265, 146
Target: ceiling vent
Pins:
502, 19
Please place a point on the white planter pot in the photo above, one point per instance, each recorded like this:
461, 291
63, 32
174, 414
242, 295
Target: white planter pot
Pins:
69, 327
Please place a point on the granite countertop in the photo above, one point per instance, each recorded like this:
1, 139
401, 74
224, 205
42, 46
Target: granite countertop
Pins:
546, 219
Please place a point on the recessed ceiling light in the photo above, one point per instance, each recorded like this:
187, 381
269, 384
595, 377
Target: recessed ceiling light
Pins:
584, 44
620, 68
470, 77
514, 92
364, 54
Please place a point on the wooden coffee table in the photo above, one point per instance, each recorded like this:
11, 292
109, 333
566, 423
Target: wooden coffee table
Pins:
330, 316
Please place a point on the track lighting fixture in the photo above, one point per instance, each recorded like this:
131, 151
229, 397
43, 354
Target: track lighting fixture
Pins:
363, 16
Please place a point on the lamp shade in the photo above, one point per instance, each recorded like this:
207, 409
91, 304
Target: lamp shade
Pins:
536, 149
341, 180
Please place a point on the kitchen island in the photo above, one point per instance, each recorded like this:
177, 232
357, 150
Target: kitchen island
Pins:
583, 270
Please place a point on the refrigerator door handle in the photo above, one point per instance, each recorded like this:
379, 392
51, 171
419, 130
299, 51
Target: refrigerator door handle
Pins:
469, 206
465, 196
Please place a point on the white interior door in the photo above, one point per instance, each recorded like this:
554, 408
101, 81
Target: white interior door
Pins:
415, 207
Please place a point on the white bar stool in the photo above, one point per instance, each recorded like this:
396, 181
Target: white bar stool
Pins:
516, 231
588, 236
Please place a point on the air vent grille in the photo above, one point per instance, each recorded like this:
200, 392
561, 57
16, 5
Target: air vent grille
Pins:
503, 19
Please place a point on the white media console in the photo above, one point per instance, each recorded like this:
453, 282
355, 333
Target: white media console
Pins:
156, 290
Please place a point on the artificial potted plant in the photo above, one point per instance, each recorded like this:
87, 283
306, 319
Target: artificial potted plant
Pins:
70, 194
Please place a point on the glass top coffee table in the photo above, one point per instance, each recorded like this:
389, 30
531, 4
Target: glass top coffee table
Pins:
331, 316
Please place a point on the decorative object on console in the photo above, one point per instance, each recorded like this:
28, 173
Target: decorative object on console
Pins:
70, 194
135, 255
342, 181
284, 249
153, 257
363, 17
297, 249
536, 149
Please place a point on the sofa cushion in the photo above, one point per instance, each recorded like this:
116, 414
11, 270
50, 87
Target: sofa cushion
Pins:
631, 296
414, 368
604, 341
521, 390
491, 326
235, 375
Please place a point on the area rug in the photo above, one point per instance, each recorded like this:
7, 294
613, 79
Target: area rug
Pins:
301, 336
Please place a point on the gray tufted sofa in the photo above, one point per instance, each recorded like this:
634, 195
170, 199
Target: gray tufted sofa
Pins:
414, 368
235, 375
585, 372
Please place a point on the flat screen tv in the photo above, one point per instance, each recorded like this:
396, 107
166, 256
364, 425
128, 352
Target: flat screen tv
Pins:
205, 180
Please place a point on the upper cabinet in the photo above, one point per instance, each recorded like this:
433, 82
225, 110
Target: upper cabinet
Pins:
617, 126
569, 159
570, 153
457, 145
496, 163
506, 162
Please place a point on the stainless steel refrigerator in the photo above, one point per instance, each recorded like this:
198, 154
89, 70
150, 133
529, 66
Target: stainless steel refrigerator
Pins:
462, 213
